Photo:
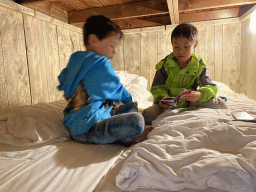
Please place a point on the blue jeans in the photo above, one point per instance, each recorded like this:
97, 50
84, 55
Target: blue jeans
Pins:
124, 125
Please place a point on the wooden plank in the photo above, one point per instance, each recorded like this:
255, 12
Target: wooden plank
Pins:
51, 60
92, 3
107, 2
142, 22
236, 44
53, 12
36, 59
186, 5
118, 60
132, 53
14, 6
193, 16
231, 57
145, 29
148, 56
161, 45
173, 11
218, 52
200, 50
14, 57
168, 35
210, 49
216, 22
252, 56
122, 11
75, 41
3, 90
72, 4
64, 45
82, 45
246, 48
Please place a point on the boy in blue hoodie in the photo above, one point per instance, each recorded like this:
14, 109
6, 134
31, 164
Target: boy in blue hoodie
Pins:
91, 86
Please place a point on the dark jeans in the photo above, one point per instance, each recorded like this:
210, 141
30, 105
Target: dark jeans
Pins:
124, 125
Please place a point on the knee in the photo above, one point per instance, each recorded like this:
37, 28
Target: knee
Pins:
138, 122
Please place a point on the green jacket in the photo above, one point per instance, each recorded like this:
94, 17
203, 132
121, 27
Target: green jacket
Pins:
170, 80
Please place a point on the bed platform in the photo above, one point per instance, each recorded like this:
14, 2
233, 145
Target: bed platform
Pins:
196, 149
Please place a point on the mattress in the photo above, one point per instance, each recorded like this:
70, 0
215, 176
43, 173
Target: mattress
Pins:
195, 149
199, 149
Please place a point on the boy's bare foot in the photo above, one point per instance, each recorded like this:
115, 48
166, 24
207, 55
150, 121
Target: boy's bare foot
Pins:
142, 137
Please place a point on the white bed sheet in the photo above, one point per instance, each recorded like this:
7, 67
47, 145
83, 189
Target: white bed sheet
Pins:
198, 150
36, 153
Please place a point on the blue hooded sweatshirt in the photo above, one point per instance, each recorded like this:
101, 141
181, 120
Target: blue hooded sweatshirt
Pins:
97, 75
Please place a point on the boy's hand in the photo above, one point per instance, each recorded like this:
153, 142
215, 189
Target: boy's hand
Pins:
193, 96
164, 106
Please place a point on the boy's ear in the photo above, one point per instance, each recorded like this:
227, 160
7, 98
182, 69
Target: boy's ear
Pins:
196, 43
93, 39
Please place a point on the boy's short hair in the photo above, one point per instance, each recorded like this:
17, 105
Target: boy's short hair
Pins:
101, 26
186, 30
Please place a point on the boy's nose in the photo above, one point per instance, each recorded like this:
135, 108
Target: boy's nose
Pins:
181, 50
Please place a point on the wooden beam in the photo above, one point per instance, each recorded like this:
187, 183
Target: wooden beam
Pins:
23, 2
189, 5
122, 11
173, 11
194, 16
143, 22
248, 13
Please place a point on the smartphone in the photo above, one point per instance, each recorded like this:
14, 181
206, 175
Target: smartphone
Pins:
242, 116
168, 100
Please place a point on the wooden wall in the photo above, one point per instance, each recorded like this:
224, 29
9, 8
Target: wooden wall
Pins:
219, 44
248, 58
34, 48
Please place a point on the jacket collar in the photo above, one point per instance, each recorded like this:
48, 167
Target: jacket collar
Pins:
194, 60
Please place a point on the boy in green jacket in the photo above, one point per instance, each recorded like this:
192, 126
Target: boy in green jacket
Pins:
179, 71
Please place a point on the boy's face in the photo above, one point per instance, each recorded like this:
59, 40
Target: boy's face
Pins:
183, 49
105, 47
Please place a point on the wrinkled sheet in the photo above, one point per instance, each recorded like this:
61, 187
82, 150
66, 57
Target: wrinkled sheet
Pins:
36, 153
194, 150
34, 125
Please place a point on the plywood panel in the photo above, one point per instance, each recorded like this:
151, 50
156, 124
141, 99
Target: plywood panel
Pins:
168, 35
51, 60
14, 57
218, 61
200, 50
36, 59
65, 46
252, 56
132, 53
75, 41
118, 60
3, 90
248, 60
210, 49
161, 45
246, 74
83, 48
148, 55
231, 56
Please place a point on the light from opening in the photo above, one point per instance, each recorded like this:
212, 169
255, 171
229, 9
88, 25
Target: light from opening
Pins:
253, 22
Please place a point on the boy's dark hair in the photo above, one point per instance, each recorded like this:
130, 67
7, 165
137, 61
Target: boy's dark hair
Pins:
100, 26
186, 30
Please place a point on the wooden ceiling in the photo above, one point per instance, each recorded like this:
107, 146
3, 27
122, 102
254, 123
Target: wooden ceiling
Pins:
129, 14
